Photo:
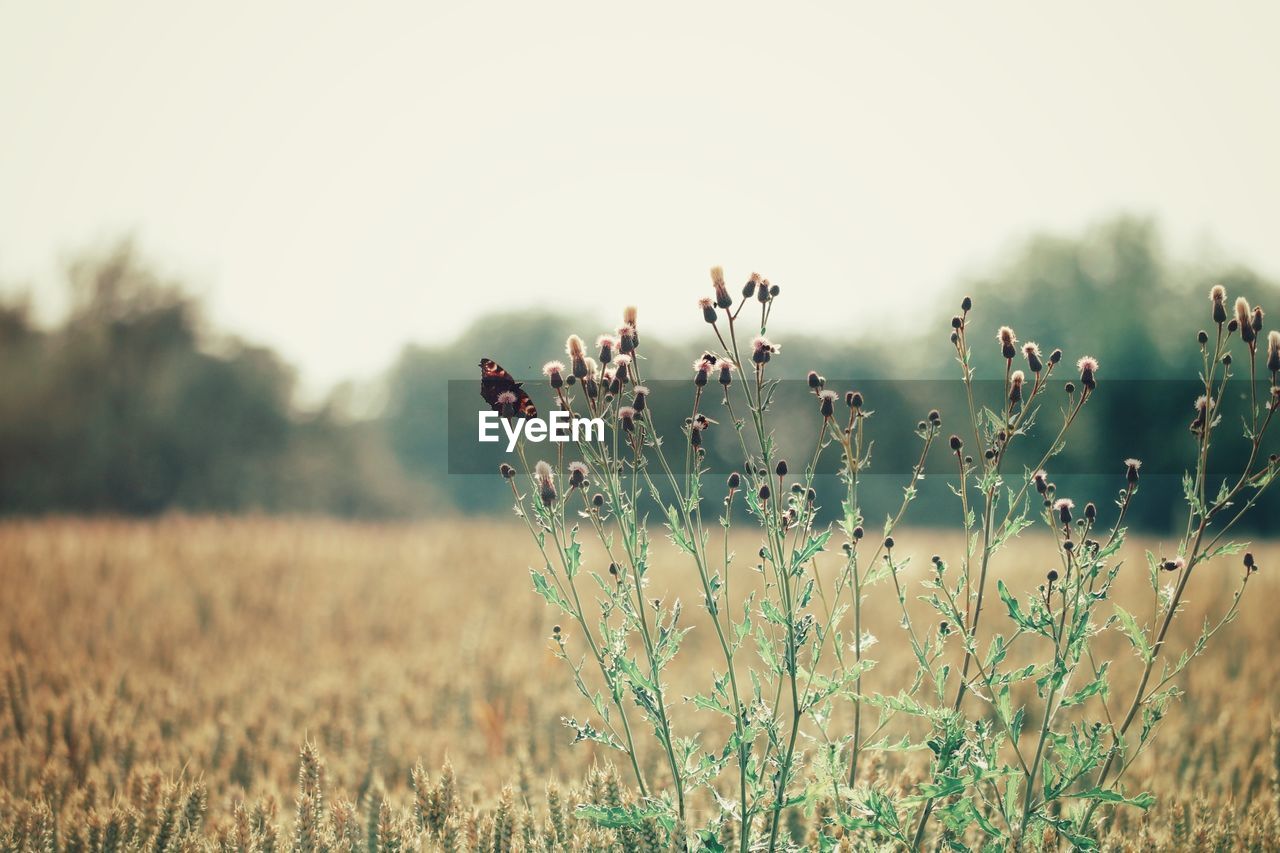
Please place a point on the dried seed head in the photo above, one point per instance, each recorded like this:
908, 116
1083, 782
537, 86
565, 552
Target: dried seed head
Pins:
1088, 367
1244, 320
1131, 467
546, 482
506, 471
629, 316
827, 403
1173, 564
723, 299
1273, 351
708, 310
622, 367
1218, 296
1008, 342
763, 291
577, 475
957, 321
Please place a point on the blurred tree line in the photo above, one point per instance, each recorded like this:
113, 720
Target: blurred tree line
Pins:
132, 405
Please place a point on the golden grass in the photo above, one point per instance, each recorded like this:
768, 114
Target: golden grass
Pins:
175, 669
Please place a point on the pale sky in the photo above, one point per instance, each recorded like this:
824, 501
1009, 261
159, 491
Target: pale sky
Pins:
338, 179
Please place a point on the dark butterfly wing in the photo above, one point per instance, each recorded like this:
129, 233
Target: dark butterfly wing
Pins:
494, 381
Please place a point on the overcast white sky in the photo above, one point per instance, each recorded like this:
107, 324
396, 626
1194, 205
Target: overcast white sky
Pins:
338, 179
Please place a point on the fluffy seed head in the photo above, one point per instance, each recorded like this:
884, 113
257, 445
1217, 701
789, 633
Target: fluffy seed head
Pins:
1063, 507
627, 417
827, 402
726, 372
1244, 320
723, 299
1088, 366
1131, 468
1273, 351
546, 482
577, 475
1008, 342
762, 349
1015, 385
1218, 296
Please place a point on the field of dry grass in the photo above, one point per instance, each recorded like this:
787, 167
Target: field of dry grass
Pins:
161, 678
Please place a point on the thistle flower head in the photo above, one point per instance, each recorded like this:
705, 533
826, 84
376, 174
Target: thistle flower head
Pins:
627, 417
1131, 468
1244, 320
1008, 342
762, 349
1015, 385
1218, 296
551, 368
573, 347
827, 402
726, 372
1088, 367
577, 475
1273, 351
723, 299
1063, 507
546, 482
629, 316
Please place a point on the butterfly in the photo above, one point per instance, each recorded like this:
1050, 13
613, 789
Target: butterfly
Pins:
494, 381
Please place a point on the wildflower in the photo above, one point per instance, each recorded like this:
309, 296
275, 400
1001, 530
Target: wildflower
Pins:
1202, 412
1008, 342
1244, 320
577, 475
1131, 467
1055, 356
1090, 512
1257, 319
815, 381
827, 403
853, 399
935, 417
546, 482
708, 310
627, 417
1032, 351
621, 365
1041, 479
762, 350
506, 471
762, 291
1273, 351
577, 356
554, 370
723, 299
641, 398
1063, 507
1176, 564
1088, 366
1218, 296
1015, 386
726, 372
749, 289
507, 403
702, 369
607, 344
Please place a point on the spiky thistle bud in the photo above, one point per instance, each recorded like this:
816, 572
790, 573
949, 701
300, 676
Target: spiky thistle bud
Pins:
1202, 413
1052, 576
641, 398
701, 370
506, 471
1041, 479
781, 468
1202, 337
1090, 512
956, 444
735, 480
764, 492
853, 399
815, 381
749, 289
507, 404
546, 482
888, 543
726, 372
1218, 296
966, 304
1008, 342
763, 291
1131, 468
1249, 564
695, 436
577, 475
1257, 319
935, 417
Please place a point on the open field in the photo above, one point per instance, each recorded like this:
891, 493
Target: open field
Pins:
160, 679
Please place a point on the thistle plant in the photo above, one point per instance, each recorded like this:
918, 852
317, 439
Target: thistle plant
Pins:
1023, 728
